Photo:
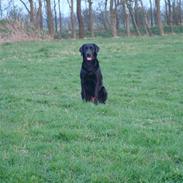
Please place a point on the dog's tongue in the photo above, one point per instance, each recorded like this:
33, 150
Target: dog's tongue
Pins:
89, 58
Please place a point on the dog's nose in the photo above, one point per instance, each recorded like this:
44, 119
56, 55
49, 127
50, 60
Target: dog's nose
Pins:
88, 55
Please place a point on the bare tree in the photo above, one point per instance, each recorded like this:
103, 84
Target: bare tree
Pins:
39, 17
30, 10
72, 18
106, 20
80, 19
136, 13
129, 5
146, 23
1, 11
113, 17
158, 16
50, 18
55, 16
170, 17
110, 14
180, 11
127, 18
60, 17
90, 18
151, 13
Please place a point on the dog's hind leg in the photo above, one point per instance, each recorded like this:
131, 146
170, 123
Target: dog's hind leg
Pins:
102, 95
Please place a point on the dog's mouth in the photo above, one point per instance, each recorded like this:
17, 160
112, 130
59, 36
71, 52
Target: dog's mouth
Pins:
89, 58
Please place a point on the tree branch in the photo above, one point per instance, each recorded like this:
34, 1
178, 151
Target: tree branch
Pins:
25, 6
69, 4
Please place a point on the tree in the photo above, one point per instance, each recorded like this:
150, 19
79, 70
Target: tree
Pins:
30, 10
180, 11
151, 12
55, 17
113, 17
90, 18
158, 17
80, 19
73, 31
170, 17
106, 20
39, 17
1, 11
136, 13
129, 6
60, 17
177, 12
146, 24
127, 20
50, 18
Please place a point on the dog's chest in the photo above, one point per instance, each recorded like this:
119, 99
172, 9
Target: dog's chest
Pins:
90, 77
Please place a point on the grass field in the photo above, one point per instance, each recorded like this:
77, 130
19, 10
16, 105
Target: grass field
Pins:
48, 135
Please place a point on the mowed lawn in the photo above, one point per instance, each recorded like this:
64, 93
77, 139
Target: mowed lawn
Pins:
48, 135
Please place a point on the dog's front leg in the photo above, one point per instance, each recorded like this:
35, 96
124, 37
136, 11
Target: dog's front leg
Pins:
98, 85
95, 99
83, 92
96, 89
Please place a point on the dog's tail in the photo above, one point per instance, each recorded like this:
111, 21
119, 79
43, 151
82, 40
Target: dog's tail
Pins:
102, 95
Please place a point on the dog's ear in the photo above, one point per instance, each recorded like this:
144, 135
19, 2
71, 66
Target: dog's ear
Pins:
96, 48
81, 49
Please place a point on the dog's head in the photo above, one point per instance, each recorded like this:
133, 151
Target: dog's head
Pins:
89, 51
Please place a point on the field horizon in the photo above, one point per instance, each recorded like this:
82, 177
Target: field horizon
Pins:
47, 134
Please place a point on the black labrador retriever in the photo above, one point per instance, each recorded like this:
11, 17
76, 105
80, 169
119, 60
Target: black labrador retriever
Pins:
92, 88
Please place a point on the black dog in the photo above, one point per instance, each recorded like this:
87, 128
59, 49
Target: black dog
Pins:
92, 88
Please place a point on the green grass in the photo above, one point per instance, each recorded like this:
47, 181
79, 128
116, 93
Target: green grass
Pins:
48, 135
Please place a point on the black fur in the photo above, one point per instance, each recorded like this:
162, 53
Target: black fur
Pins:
92, 88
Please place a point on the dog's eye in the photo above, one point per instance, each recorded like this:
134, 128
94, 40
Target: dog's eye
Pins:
86, 48
91, 48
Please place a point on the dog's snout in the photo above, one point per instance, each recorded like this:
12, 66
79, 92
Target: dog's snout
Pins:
88, 55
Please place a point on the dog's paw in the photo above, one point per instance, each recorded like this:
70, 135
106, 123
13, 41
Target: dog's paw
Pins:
94, 100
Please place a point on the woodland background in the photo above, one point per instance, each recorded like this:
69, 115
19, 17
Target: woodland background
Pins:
89, 18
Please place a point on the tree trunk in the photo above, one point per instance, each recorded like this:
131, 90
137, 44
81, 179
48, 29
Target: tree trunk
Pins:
166, 13
39, 19
31, 11
1, 11
113, 19
170, 17
72, 18
50, 18
55, 17
60, 17
180, 12
127, 19
90, 18
106, 20
133, 18
136, 15
146, 23
158, 15
80, 19
151, 13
